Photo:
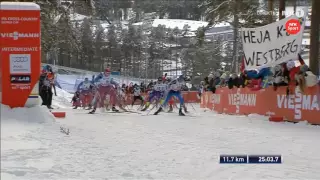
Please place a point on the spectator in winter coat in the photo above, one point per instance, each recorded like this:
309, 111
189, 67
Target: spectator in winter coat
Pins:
259, 74
211, 82
224, 78
206, 83
243, 80
306, 78
233, 81
279, 78
201, 89
215, 81
293, 72
257, 78
45, 90
51, 77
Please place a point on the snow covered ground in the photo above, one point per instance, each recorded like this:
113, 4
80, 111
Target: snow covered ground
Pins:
62, 100
131, 146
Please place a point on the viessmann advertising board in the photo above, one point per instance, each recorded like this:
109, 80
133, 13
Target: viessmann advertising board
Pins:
20, 43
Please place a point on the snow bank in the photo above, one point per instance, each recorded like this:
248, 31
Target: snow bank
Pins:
19, 121
37, 114
62, 100
23, 145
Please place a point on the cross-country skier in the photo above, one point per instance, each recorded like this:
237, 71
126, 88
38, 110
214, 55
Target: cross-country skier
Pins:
137, 95
156, 93
174, 89
171, 101
105, 85
76, 100
85, 89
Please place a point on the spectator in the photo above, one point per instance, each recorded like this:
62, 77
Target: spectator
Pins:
206, 83
293, 72
51, 78
45, 90
279, 78
215, 81
258, 78
233, 81
306, 78
224, 79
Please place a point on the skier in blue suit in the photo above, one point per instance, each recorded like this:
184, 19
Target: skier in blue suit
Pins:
174, 89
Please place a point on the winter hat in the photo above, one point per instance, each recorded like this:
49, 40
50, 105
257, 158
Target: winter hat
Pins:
291, 64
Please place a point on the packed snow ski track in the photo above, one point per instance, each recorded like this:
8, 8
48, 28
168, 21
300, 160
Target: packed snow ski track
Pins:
130, 146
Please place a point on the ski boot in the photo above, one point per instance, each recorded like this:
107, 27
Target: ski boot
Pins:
146, 107
93, 111
170, 108
181, 113
185, 109
114, 109
75, 107
157, 112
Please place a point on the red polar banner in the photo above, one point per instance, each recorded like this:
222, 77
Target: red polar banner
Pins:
20, 44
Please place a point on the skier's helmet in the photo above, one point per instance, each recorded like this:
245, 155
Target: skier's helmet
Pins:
107, 71
86, 79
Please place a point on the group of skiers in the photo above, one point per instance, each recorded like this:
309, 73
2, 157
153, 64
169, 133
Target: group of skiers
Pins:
103, 91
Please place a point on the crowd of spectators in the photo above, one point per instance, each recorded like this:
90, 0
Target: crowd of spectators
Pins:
287, 74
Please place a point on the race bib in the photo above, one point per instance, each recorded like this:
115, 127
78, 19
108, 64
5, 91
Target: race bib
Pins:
105, 81
160, 87
46, 82
175, 87
86, 86
137, 92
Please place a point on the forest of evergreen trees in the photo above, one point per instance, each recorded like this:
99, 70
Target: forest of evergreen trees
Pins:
108, 34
